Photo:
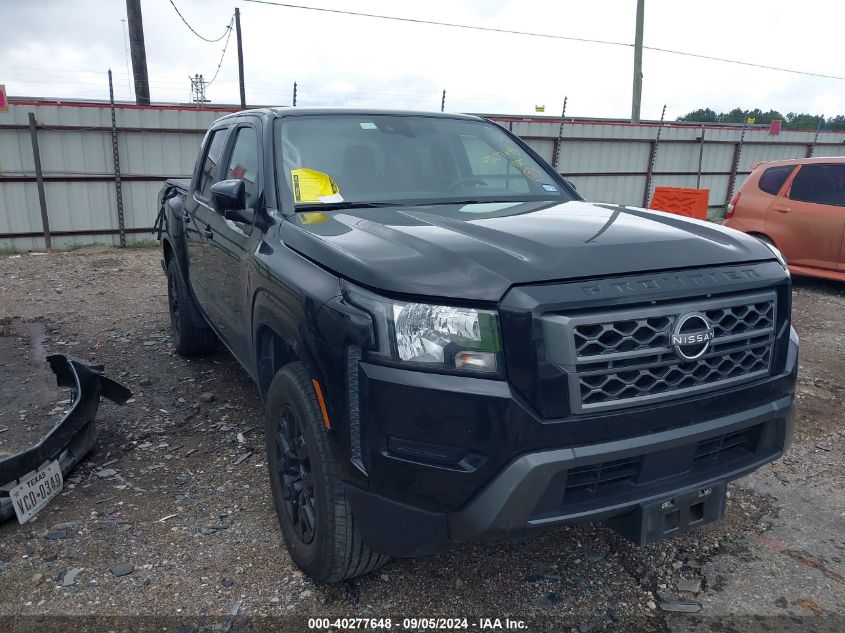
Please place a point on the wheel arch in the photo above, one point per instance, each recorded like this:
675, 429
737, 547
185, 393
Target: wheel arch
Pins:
279, 337
272, 353
172, 232
764, 236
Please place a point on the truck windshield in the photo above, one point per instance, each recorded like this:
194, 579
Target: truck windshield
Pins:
342, 159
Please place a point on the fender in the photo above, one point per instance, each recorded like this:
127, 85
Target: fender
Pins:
302, 310
171, 228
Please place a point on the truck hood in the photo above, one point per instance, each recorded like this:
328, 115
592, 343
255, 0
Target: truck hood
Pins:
478, 251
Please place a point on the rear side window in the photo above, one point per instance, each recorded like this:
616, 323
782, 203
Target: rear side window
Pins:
820, 184
773, 178
243, 164
209, 162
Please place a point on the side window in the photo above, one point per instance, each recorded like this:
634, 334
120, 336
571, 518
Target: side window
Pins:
773, 178
243, 163
820, 184
490, 164
209, 162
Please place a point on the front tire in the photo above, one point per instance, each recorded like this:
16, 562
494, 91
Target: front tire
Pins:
191, 335
317, 523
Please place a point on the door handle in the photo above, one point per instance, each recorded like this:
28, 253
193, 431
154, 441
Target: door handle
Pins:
780, 208
209, 233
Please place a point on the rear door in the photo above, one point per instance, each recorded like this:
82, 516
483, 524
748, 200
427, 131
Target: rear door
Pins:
231, 243
807, 220
198, 212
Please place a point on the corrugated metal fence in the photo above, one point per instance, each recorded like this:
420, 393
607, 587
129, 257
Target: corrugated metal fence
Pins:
611, 162
75, 142
607, 161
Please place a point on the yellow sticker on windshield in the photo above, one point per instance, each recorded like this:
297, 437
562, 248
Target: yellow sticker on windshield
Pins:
313, 217
310, 185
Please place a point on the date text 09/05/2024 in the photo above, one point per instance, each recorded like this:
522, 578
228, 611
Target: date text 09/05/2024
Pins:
416, 624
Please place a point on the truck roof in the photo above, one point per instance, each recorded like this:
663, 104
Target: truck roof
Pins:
283, 111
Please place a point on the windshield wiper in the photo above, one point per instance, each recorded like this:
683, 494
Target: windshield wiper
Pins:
346, 204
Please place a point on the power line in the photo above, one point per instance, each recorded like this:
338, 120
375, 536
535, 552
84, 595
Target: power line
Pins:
225, 46
434, 23
489, 29
741, 63
192, 28
126, 59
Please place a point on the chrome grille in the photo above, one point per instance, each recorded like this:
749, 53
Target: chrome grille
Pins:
621, 336
621, 358
661, 378
610, 337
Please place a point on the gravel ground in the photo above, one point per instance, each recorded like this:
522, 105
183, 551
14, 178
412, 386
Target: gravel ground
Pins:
171, 517
28, 407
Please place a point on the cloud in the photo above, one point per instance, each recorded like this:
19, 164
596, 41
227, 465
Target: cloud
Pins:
62, 49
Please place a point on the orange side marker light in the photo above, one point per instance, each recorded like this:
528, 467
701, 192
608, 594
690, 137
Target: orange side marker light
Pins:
322, 402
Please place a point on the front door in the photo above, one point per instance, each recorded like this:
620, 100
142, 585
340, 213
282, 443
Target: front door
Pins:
231, 244
198, 214
807, 221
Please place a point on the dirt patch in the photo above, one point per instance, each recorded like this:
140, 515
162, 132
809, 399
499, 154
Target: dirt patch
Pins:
30, 401
818, 313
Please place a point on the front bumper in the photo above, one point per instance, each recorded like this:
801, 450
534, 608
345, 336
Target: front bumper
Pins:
73, 436
533, 490
727, 435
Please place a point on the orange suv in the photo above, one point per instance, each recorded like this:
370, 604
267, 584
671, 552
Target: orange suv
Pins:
797, 205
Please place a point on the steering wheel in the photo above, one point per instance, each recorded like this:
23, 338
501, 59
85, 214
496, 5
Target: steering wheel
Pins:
467, 180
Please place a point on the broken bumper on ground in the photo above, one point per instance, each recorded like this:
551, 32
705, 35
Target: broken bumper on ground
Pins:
73, 436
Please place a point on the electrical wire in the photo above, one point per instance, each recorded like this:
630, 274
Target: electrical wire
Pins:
175, 8
454, 25
741, 63
489, 29
225, 46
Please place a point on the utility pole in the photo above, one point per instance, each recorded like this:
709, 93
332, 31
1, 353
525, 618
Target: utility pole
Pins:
638, 64
294, 94
240, 57
139, 52
443, 101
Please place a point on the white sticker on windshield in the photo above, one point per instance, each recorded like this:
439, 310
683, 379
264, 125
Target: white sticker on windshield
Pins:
333, 198
487, 207
368, 125
549, 188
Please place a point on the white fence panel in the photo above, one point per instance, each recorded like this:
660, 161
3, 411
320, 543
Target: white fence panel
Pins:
607, 161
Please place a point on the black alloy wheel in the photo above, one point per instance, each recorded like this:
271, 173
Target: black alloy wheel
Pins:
294, 471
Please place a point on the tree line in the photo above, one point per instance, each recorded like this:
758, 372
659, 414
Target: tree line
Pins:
791, 121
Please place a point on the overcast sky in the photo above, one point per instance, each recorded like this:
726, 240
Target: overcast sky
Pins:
60, 48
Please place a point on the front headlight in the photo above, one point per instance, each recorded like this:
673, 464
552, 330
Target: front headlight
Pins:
433, 336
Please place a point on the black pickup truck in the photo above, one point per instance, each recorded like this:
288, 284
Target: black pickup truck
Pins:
452, 345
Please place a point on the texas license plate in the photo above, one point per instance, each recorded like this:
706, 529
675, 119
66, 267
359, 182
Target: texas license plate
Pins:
35, 490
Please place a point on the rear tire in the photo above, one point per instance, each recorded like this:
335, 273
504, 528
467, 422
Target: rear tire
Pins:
317, 523
191, 334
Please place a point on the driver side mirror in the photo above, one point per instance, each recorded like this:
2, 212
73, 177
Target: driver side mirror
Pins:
228, 197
